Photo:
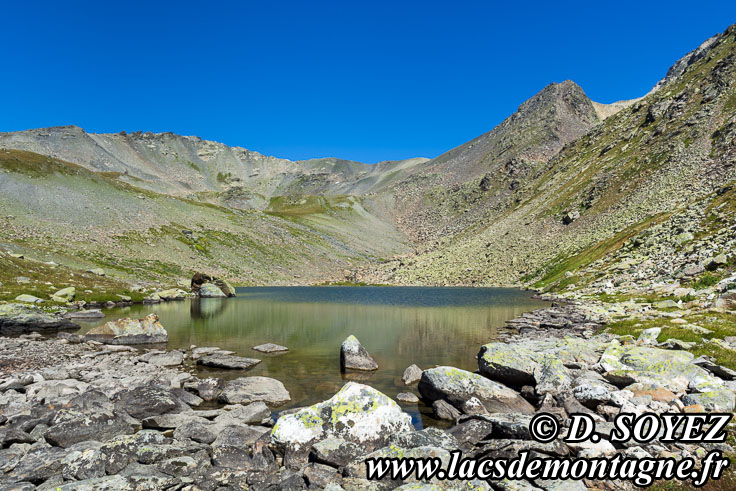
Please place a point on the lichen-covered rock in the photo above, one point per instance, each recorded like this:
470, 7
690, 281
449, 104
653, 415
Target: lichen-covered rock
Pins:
147, 330
245, 390
357, 413
354, 356
172, 294
508, 363
649, 336
672, 370
18, 318
458, 386
64, 295
551, 376
209, 290
712, 395
28, 298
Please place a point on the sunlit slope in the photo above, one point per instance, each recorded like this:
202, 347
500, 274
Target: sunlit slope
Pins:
55, 210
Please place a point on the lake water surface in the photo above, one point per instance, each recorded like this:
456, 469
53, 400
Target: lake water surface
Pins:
398, 326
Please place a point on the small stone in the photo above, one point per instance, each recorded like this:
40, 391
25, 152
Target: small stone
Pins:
270, 348
407, 397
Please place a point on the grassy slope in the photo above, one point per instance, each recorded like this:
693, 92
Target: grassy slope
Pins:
59, 211
650, 159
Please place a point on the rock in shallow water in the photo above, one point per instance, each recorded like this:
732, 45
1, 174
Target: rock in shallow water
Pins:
270, 348
147, 330
231, 362
354, 356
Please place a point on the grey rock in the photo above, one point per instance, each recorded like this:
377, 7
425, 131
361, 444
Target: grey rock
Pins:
444, 410
228, 361
412, 375
270, 348
407, 397
336, 452
457, 386
245, 390
20, 318
353, 356
146, 401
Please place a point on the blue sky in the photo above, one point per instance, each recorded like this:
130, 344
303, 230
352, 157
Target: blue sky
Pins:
367, 81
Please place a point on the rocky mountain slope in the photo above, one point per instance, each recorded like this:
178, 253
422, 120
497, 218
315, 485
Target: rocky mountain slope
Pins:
559, 185
670, 152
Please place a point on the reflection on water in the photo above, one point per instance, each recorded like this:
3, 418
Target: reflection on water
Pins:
397, 325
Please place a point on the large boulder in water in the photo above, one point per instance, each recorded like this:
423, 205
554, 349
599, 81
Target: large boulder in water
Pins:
201, 279
18, 318
209, 290
357, 413
457, 386
354, 356
147, 330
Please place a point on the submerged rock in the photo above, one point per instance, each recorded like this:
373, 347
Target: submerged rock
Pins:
458, 386
228, 361
270, 348
357, 413
354, 356
147, 330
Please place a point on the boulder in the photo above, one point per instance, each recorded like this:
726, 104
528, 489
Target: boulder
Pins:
508, 363
28, 299
357, 413
672, 370
172, 294
228, 361
336, 452
412, 375
19, 318
551, 376
649, 336
65, 295
199, 280
148, 400
444, 410
97, 271
458, 386
209, 290
163, 358
70, 426
85, 314
147, 330
354, 356
245, 390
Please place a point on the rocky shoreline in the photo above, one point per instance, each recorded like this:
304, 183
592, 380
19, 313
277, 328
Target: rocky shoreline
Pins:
76, 414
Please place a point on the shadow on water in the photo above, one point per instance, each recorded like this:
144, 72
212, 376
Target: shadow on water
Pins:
397, 325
